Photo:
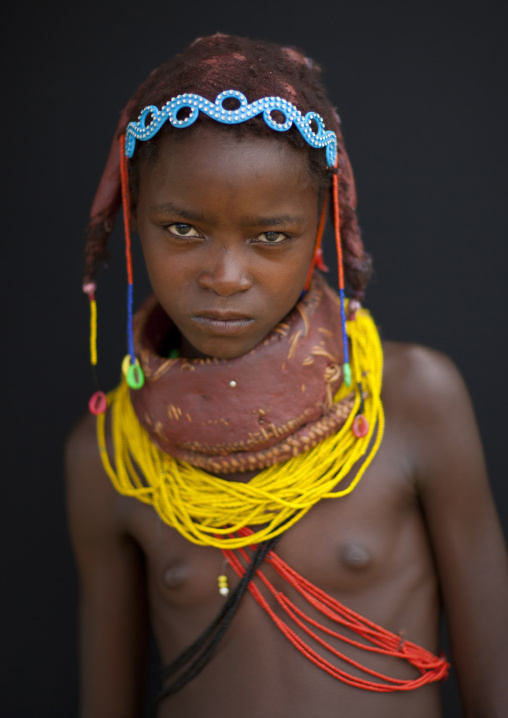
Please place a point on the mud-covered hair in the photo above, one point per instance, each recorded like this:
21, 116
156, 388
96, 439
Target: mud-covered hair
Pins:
258, 69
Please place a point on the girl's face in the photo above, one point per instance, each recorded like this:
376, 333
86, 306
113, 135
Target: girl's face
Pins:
228, 227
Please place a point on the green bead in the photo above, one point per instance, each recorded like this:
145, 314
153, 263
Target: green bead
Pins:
135, 376
347, 374
173, 354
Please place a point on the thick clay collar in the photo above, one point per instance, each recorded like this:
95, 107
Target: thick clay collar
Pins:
243, 414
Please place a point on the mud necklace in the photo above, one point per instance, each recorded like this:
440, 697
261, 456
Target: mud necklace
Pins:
208, 510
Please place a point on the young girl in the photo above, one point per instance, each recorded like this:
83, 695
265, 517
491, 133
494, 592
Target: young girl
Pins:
285, 499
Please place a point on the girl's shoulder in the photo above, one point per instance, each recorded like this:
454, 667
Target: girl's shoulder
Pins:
427, 402
90, 493
417, 376
82, 439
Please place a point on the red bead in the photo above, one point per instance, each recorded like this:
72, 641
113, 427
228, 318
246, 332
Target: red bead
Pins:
320, 264
98, 403
360, 426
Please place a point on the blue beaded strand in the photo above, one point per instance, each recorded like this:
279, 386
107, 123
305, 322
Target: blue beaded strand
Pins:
135, 377
347, 366
130, 336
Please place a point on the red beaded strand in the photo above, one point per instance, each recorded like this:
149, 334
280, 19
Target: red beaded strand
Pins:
126, 207
346, 368
135, 377
431, 668
317, 257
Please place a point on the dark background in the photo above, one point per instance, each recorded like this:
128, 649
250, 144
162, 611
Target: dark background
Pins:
421, 89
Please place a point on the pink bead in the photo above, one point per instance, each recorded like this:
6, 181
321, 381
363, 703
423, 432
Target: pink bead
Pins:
360, 426
354, 306
89, 288
98, 403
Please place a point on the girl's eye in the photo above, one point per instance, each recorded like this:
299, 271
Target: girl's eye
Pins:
180, 229
273, 237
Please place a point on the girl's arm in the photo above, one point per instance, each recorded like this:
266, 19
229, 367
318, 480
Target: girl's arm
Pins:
463, 527
113, 623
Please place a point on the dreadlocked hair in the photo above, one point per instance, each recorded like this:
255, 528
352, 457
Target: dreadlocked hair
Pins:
257, 69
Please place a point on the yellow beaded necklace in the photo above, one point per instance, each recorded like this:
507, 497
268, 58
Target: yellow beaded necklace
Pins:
208, 510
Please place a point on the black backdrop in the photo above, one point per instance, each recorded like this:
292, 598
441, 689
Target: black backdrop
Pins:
421, 90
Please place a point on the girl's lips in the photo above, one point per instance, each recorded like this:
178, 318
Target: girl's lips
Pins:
221, 326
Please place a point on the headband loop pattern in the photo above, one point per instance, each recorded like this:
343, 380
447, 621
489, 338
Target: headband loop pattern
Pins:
216, 111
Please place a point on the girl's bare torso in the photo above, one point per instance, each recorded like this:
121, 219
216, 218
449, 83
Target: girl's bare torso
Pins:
420, 525
368, 549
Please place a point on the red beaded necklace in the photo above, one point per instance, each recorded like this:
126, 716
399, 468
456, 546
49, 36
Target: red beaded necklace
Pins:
375, 638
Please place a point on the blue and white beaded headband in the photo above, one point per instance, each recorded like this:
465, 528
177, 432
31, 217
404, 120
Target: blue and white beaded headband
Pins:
195, 103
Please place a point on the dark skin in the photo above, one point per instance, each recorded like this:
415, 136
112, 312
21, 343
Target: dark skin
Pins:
419, 531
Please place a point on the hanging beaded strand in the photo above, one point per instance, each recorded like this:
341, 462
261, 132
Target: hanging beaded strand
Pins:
317, 257
98, 402
336, 224
130, 365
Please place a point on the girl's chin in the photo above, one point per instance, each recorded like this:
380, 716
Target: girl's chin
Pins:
217, 347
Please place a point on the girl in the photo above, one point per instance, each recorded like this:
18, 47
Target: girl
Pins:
286, 500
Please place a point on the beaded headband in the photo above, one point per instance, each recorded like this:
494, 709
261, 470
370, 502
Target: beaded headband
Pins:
317, 138
216, 111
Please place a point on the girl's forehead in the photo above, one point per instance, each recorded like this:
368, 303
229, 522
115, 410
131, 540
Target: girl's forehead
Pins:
212, 138
216, 174
206, 152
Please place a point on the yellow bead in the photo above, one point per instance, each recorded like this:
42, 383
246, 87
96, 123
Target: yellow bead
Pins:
125, 364
222, 580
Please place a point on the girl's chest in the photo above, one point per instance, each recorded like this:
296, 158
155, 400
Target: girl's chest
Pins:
342, 545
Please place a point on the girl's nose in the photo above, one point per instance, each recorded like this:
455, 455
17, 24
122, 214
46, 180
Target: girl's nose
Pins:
227, 273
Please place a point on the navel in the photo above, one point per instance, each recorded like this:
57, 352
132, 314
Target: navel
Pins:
355, 555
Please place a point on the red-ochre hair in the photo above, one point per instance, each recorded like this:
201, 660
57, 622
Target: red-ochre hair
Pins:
207, 67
